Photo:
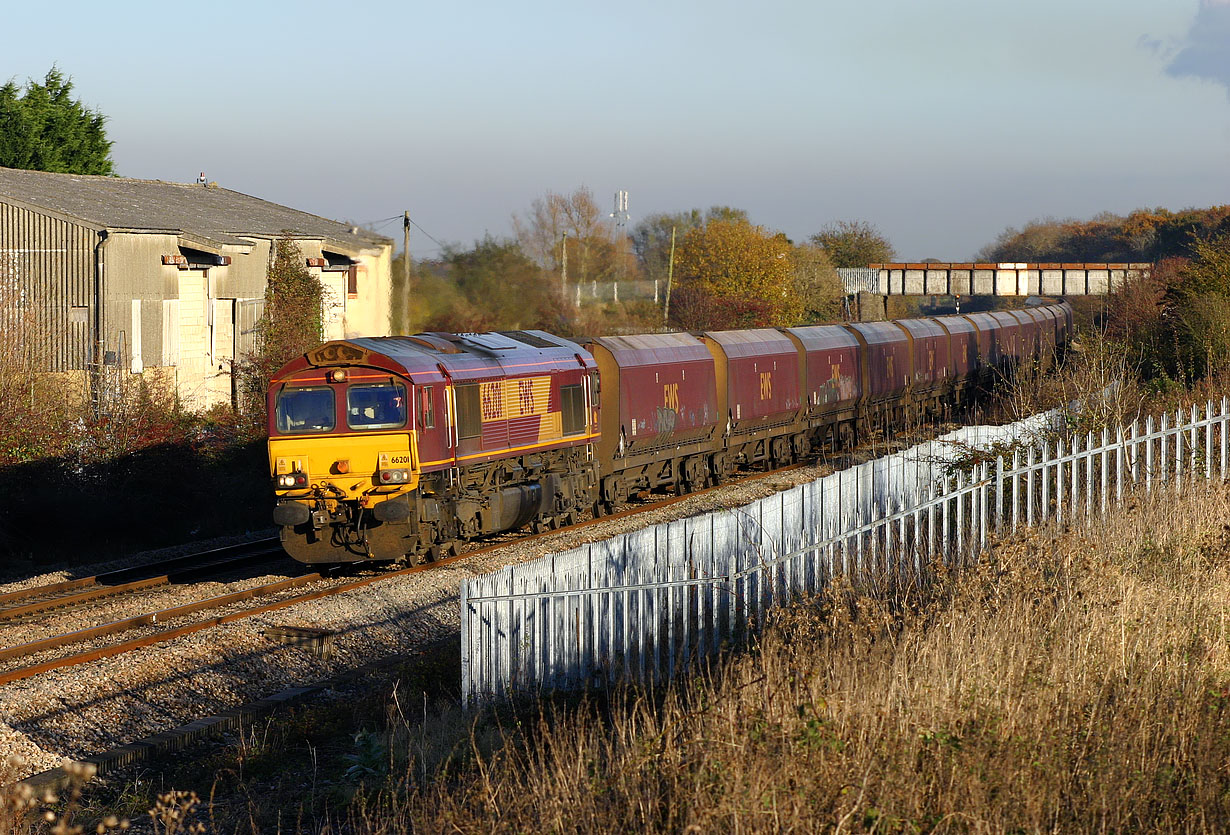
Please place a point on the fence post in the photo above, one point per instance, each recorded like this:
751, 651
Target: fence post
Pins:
983, 489
1149, 455
1178, 449
961, 513
1192, 443
467, 685
930, 519
1225, 414
1016, 488
1044, 511
1090, 451
1119, 465
1134, 456
1164, 447
999, 493
1075, 470
946, 514
1029, 486
1104, 486
1208, 440
1061, 485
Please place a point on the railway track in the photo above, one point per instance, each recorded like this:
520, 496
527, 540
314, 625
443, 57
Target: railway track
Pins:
23, 604
15, 655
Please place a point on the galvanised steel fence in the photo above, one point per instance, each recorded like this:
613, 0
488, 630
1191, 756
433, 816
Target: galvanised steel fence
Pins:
648, 603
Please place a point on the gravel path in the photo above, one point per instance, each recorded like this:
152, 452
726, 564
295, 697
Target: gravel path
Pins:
87, 709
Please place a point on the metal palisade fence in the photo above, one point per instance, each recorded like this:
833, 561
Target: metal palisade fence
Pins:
648, 603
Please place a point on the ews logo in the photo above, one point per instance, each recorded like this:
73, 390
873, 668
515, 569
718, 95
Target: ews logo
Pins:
525, 396
670, 396
766, 385
492, 397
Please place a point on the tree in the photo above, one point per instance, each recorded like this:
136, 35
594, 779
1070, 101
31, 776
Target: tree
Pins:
594, 254
816, 283
651, 238
734, 274
854, 243
292, 324
44, 129
496, 286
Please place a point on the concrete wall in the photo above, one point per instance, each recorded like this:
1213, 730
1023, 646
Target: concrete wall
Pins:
1007, 279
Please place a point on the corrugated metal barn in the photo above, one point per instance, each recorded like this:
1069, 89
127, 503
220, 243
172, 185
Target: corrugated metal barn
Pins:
166, 279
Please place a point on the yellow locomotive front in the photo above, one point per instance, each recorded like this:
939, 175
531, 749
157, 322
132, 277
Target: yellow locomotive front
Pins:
343, 457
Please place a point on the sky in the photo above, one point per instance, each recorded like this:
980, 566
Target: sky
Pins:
941, 123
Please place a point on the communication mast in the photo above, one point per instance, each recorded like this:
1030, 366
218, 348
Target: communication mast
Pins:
621, 217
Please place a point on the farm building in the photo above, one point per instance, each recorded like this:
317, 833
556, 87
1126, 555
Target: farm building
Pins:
167, 280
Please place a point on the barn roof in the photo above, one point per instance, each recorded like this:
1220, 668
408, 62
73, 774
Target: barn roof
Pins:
205, 212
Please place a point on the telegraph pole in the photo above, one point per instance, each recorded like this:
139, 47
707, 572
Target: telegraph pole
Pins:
405, 263
670, 274
563, 259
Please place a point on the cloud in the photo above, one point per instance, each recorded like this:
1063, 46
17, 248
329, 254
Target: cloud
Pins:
1205, 51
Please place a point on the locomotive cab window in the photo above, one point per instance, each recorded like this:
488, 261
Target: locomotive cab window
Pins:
572, 408
427, 403
377, 406
308, 409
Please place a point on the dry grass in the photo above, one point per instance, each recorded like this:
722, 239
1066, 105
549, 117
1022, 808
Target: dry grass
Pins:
1073, 682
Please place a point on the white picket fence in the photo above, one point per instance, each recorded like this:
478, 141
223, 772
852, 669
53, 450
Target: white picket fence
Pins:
647, 603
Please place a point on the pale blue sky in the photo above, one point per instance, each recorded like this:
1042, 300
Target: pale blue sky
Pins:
940, 122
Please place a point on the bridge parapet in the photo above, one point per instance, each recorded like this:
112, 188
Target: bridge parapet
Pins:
1004, 279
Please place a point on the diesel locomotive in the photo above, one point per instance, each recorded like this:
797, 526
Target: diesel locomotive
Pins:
400, 448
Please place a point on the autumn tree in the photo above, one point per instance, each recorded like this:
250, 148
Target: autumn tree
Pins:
816, 283
42, 128
1144, 235
854, 243
651, 237
594, 253
734, 274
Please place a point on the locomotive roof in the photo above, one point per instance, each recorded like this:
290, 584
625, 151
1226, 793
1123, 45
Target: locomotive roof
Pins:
467, 356
441, 347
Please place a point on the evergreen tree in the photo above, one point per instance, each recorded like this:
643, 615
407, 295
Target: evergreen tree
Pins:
44, 129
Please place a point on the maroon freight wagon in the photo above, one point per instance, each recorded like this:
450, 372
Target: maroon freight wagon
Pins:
963, 338
932, 353
659, 404
886, 361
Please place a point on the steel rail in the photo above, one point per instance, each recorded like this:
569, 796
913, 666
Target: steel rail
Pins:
164, 635
100, 586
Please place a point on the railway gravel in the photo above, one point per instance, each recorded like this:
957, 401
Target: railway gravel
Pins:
96, 706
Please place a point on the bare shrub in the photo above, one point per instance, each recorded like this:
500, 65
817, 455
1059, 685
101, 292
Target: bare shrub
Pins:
1096, 386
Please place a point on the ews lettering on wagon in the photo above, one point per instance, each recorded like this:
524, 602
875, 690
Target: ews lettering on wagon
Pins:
670, 396
766, 385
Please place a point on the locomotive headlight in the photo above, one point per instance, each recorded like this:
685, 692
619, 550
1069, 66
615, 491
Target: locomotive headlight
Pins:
290, 481
388, 471
393, 476
337, 375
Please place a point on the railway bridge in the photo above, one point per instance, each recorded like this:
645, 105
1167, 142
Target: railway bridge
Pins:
984, 279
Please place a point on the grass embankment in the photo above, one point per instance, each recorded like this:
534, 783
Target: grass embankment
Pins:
1072, 682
